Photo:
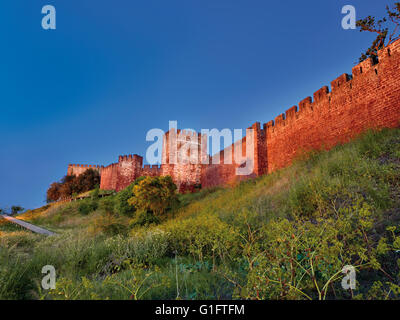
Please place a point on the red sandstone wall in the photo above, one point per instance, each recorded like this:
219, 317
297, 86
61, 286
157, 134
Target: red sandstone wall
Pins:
151, 171
220, 174
118, 176
78, 169
368, 99
186, 172
109, 177
129, 168
216, 174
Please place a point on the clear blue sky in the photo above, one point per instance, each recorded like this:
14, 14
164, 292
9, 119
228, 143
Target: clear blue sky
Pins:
91, 89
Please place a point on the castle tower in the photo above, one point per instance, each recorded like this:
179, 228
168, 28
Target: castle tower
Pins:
129, 169
183, 155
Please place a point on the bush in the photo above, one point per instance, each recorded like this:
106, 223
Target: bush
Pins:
16, 209
154, 195
203, 237
108, 224
121, 202
107, 205
303, 259
144, 218
87, 206
72, 185
88, 180
54, 192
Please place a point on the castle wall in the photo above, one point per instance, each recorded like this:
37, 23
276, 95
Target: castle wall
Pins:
369, 98
223, 173
183, 155
78, 169
129, 168
109, 177
151, 171
218, 172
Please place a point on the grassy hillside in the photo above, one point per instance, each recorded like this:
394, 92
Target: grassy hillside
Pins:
282, 236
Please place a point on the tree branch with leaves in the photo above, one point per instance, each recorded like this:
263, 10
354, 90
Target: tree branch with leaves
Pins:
386, 30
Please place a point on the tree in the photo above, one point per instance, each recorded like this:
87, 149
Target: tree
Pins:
16, 209
70, 185
387, 30
122, 206
154, 195
87, 181
54, 192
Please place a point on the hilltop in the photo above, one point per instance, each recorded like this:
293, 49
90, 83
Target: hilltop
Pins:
286, 235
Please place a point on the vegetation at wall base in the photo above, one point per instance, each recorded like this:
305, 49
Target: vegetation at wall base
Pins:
70, 186
286, 235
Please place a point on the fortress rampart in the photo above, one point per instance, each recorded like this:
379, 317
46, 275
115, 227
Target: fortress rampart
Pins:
78, 169
368, 98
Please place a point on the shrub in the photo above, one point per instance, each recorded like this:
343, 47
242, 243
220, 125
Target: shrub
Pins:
108, 224
87, 181
144, 218
203, 237
107, 205
16, 209
94, 194
54, 192
303, 259
87, 206
122, 206
72, 185
154, 195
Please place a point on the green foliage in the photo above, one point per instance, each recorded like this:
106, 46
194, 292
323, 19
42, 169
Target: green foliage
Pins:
107, 205
122, 206
14, 276
95, 193
108, 224
154, 195
303, 259
86, 181
87, 206
202, 237
282, 236
144, 218
71, 185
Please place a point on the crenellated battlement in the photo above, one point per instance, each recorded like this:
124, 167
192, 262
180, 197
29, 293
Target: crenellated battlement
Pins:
130, 157
367, 98
85, 166
78, 169
364, 71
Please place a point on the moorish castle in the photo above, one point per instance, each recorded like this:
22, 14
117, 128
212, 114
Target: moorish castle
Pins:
369, 98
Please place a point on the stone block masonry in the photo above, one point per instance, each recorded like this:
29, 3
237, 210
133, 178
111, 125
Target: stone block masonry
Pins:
368, 98
78, 169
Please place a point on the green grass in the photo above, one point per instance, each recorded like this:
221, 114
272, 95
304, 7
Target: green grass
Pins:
282, 236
